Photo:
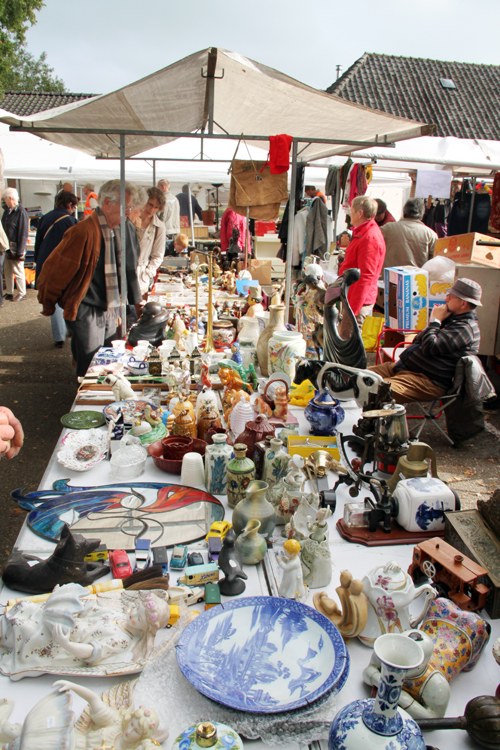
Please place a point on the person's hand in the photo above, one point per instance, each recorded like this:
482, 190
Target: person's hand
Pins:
11, 433
440, 313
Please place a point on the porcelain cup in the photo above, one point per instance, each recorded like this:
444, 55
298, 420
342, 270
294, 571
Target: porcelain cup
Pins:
118, 345
193, 471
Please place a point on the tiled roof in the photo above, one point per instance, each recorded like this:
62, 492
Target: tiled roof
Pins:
412, 87
25, 103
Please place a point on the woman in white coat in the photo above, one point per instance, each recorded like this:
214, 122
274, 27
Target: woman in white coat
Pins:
151, 235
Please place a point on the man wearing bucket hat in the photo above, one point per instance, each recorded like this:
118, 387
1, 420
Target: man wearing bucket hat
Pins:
425, 370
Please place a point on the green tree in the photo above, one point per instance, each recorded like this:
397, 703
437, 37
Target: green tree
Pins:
19, 70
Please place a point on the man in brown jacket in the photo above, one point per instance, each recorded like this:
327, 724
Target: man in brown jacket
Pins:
82, 274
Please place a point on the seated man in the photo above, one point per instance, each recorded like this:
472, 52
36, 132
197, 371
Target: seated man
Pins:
425, 370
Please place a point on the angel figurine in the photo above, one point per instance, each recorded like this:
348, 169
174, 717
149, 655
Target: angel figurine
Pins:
50, 725
292, 584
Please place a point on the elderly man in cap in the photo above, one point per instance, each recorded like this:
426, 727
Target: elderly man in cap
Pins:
425, 370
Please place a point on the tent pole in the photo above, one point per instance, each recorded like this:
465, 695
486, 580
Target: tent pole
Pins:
123, 234
291, 221
472, 201
154, 172
247, 239
191, 221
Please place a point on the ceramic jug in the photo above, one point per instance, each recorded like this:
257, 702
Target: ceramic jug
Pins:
390, 591
248, 337
250, 544
255, 506
276, 323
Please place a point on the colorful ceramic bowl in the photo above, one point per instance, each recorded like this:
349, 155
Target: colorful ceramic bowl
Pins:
173, 465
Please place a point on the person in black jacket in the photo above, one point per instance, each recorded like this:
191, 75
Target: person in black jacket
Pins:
51, 229
15, 222
183, 199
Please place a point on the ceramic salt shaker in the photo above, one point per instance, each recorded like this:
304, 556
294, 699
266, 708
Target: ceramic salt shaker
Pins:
208, 734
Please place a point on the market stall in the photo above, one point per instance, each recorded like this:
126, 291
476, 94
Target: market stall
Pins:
115, 500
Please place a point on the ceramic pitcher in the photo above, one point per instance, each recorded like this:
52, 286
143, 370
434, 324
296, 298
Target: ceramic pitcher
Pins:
390, 591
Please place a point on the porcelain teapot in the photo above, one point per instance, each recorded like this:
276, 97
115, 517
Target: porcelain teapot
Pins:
390, 592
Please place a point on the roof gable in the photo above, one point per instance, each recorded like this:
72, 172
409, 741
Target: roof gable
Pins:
411, 87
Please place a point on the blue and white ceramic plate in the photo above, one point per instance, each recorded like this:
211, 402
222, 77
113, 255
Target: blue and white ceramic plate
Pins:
263, 654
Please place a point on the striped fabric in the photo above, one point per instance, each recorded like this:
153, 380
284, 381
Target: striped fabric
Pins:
112, 256
436, 350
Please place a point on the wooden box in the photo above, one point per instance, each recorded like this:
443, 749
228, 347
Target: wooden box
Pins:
467, 531
470, 248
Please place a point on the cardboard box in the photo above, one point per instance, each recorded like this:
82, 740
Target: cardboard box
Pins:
406, 297
489, 314
470, 248
261, 270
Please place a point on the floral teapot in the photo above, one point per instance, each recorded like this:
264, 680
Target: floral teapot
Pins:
390, 592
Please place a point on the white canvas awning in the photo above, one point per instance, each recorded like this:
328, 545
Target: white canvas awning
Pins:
222, 95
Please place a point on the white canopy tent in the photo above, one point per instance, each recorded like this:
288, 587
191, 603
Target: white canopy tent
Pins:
218, 95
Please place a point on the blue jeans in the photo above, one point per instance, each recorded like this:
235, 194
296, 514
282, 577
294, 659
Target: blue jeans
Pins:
58, 325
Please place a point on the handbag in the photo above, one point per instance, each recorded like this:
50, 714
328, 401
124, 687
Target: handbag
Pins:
254, 187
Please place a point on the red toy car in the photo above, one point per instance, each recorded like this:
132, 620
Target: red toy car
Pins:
120, 564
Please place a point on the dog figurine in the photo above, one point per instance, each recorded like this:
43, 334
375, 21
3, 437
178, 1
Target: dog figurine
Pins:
122, 390
65, 565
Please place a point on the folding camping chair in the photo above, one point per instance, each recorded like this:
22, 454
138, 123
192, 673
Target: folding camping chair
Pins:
472, 386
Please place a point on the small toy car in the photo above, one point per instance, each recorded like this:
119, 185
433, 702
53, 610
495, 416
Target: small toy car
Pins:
195, 558
212, 595
143, 554
100, 554
179, 555
120, 564
187, 594
218, 529
198, 575
214, 548
160, 557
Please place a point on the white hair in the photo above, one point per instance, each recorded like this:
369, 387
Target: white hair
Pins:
11, 192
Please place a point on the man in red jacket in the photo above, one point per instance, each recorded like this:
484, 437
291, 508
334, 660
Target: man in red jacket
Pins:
366, 251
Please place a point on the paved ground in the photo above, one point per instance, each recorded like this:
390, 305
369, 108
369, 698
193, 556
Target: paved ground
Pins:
38, 382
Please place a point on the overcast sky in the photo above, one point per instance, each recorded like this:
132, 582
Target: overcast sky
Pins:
98, 46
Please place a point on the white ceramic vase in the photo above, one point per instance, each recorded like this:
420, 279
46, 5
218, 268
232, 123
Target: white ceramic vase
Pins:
285, 348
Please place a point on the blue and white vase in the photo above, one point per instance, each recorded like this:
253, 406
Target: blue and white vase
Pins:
378, 723
276, 461
217, 457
